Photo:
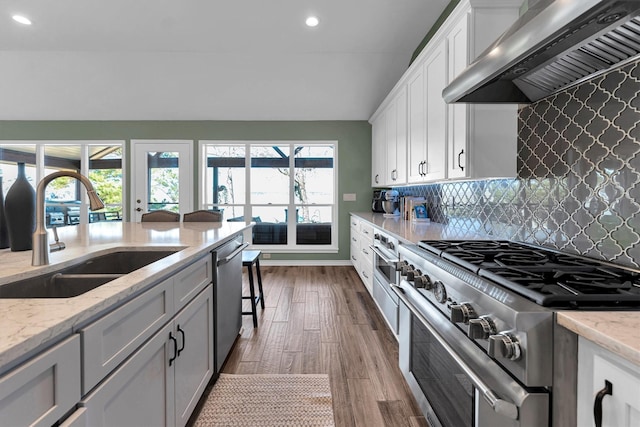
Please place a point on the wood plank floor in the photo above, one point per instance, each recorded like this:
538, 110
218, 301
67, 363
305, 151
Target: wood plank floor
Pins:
323, 320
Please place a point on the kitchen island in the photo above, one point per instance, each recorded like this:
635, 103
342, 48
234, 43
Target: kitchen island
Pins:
27, 325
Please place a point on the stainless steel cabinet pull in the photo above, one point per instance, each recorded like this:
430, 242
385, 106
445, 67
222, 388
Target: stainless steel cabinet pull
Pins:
183, 341
460, 155
233, 254
377, 181
597, 404
175, 348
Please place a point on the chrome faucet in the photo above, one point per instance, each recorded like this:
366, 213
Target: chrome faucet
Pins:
40, 236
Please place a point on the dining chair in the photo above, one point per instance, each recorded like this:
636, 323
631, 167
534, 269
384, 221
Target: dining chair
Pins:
202, 216
160, 216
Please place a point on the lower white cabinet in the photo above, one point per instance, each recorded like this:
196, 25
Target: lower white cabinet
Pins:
609, 384
40, 391
160, 384
361, 253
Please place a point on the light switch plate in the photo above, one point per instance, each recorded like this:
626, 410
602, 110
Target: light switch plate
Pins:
349, 197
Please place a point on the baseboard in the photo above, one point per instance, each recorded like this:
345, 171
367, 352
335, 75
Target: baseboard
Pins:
310, 262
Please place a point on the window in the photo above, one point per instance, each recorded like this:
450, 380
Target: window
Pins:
287, 188
100, 161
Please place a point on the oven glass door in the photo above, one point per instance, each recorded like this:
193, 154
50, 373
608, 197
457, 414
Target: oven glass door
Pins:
447, 388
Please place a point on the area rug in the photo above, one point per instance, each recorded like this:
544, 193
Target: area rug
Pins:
268, 401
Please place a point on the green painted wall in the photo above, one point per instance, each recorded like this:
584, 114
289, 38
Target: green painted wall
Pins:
354, 150
436, 26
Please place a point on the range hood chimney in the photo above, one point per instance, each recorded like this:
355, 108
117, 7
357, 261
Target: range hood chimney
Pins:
554, 45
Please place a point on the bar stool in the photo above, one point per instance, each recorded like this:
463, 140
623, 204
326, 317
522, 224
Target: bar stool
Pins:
248, 259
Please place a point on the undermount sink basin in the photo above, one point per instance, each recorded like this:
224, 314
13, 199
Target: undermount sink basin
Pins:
80, 278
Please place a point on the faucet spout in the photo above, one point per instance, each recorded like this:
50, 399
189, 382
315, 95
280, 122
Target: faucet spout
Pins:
40, 254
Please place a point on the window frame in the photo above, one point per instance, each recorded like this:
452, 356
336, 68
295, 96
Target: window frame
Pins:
40, 167
247, 206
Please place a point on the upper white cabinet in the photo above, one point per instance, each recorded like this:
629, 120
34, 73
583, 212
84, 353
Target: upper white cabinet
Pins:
389, 160
458, 140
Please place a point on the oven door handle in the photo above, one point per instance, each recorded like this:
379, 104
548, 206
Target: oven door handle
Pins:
500, 406
382, 255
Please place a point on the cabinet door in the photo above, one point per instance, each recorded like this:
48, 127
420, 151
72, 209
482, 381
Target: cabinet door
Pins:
417, 127
378, 136
435, 69
622, 407
458, 152
390, 155
190, 281
140, 392
111, 339
41, 391
194, 364
397, 142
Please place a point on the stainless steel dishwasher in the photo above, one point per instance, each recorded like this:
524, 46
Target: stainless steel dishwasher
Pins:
227, 297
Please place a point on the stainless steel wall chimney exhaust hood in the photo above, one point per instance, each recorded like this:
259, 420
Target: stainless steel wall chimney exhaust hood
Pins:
555, 44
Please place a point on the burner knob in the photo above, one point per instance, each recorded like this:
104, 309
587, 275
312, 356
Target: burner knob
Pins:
504, 345
462, 313
411, 275
406, 268
401, 264
481, 328
422, 281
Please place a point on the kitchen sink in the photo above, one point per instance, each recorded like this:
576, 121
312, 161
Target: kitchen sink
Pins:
82, 277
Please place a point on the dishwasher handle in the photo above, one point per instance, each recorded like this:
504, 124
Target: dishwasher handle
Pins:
232, 255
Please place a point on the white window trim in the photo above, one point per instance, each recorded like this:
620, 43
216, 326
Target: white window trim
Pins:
291, 246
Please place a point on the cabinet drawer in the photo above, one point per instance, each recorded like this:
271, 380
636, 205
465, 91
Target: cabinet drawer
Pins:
355, 255
366, 232
189, 282
42, 390
354, 222
110, 340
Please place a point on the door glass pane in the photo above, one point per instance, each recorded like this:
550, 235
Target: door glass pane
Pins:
163, 178
269, 174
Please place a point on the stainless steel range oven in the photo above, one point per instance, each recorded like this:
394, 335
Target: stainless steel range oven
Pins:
478, 342
385, 261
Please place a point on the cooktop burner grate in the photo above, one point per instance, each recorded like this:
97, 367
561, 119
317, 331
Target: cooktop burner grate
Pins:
548, 277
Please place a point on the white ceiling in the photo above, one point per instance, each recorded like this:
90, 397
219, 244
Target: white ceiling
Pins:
205, 59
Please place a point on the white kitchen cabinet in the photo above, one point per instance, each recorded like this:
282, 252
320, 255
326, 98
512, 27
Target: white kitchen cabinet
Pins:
361, 253
458, 140
378, 151
596, 367
417, 126
435, 72
482, 138
396, 141
162, 381
43, 389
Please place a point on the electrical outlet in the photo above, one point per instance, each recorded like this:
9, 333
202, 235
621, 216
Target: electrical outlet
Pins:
349, 197
266, 256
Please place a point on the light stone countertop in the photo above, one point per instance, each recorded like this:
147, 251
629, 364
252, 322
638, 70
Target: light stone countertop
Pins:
617, 331
413, 232
28, 325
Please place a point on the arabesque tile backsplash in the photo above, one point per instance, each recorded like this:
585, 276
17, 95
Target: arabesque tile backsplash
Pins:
578, 184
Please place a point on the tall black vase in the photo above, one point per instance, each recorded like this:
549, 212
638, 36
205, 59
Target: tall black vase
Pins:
20, 209
4, 233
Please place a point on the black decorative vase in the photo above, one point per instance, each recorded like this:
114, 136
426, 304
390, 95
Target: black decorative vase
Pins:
4, 233
20, 210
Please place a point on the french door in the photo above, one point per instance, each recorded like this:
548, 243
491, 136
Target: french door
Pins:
162, 172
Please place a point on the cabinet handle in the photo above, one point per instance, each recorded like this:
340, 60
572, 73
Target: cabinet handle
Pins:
175, 348
377, 181
597, 404
460, 155
394, 174
420, 169
183, 341
365, 274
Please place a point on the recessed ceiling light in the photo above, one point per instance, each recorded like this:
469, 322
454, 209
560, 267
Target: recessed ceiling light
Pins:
312, 21
21, 19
